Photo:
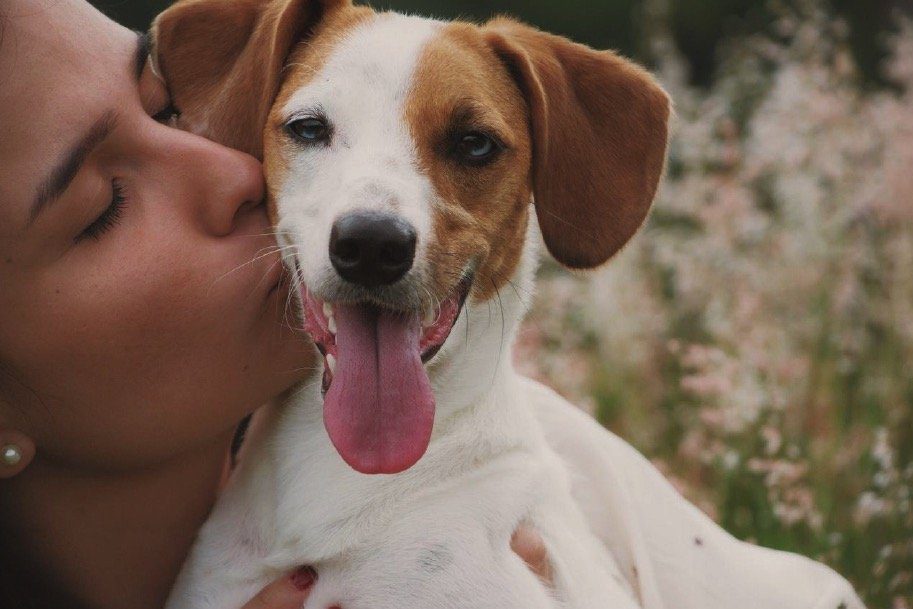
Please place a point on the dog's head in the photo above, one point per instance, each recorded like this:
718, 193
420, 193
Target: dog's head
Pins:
402, 157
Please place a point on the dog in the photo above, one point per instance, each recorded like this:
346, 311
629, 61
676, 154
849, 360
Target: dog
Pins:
413, 166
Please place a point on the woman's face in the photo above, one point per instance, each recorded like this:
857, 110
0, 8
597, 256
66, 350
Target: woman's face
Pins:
141, 314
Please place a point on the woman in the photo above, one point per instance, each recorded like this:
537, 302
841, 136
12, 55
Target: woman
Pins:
137, 323
141, 318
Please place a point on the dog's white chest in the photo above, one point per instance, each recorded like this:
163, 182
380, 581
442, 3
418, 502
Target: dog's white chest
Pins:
435, 537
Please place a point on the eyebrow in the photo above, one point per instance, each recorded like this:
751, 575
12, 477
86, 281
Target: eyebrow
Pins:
65, 171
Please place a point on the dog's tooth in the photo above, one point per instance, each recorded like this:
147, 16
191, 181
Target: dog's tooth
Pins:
429, 318
331, 319
331, 363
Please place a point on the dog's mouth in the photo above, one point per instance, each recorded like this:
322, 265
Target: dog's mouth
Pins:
378, 403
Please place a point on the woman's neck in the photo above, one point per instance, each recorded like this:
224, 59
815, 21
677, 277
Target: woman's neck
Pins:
106, 541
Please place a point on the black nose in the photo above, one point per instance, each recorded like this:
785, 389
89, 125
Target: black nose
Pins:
372, 248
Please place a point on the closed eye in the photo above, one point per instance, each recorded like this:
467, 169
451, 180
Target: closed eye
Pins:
109, 217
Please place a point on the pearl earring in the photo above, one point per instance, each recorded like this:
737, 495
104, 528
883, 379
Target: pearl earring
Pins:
11, 455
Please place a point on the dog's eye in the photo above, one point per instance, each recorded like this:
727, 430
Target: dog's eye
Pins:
477, 148
310, 130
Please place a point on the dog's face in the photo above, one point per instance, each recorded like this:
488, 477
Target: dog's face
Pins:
402, 156
399, 161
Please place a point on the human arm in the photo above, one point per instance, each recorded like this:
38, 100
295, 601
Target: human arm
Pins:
291, 592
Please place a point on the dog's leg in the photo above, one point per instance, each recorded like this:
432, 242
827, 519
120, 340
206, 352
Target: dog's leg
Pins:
585, 575
216, 580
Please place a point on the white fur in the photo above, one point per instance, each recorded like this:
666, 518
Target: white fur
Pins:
371, 162
438, 535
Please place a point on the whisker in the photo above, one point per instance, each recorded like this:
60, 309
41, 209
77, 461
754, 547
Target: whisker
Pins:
265, 276
503, 324
257, 257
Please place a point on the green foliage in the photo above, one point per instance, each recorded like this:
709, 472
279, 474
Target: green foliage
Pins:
756, 339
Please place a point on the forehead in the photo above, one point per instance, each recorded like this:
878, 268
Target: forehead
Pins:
375, 56
61, 65
362, 65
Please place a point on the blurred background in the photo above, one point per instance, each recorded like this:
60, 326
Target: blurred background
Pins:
755, 340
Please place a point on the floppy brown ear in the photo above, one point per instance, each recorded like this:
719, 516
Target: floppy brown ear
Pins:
599, 130
222, 61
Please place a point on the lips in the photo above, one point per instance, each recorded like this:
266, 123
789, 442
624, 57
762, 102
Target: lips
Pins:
378, 403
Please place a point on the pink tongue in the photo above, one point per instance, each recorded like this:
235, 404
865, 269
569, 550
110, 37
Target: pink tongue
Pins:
379, 409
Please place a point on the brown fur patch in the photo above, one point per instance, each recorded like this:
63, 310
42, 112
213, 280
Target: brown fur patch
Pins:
223, 60
460, 86
600, 128
584, 130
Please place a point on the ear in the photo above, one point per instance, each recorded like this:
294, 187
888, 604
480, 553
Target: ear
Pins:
222, 61
599, 130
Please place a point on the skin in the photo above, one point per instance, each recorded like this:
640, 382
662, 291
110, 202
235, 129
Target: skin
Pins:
129, 356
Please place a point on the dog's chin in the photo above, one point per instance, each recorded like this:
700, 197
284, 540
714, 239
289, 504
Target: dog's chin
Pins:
436, 322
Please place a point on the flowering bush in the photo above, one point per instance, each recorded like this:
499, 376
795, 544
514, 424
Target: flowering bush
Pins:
756, 339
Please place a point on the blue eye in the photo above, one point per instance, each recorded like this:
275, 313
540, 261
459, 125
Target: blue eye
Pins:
477, 148
310, 130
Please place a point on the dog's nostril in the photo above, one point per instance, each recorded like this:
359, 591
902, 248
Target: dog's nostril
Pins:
397, 253
347, 250
372, 248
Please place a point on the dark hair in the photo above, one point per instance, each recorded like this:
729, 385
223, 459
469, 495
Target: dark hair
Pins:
2, 23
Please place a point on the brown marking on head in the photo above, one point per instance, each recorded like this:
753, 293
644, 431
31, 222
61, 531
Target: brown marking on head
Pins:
584, 131
460, 86
223, 61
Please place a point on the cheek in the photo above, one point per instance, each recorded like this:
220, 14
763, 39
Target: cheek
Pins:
484, 221
144, 357
304, 215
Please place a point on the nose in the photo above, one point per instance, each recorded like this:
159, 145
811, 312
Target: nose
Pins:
371, 248
236, 201
224, 188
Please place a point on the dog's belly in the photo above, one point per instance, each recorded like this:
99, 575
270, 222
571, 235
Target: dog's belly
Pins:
448, 552
447, 564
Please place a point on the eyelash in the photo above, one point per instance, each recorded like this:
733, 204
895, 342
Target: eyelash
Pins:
108, 218
112, 214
